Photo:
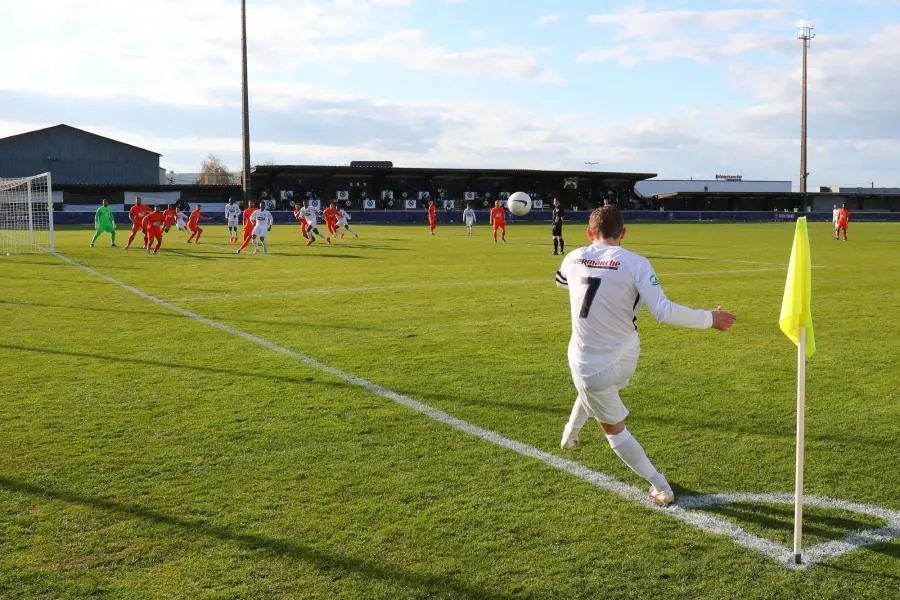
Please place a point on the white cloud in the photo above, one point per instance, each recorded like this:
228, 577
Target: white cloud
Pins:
641, 36
187, 53
640, 24
551, 18
687, 48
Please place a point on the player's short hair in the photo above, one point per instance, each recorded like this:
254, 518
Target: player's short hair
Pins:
606, 222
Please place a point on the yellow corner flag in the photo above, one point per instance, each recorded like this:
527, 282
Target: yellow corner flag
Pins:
795, 306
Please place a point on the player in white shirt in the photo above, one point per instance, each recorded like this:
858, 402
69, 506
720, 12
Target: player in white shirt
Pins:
262, 221
469, 218
181, 220
343, 223
232, 217
835, 211
308, 214
607, 286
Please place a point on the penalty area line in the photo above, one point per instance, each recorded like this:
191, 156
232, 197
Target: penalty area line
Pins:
685, 510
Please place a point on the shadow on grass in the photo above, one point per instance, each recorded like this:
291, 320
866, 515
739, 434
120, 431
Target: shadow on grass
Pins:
287, 548
37, 277
780, 518
98, 309
200, 255
788, 435
258, 374
168, 313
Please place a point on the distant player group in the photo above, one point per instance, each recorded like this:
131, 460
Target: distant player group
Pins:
154, 221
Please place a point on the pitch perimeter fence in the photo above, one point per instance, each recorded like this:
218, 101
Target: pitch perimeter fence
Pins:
482, 217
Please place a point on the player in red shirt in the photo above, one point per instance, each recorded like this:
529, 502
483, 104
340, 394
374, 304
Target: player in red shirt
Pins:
843, 221
170, 214
498, 220
248, 225
153, 227
432, 216
194, 224
137, 214
331, 216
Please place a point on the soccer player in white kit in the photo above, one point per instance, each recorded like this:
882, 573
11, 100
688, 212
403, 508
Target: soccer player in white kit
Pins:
262, 221
469, 218
343, 223
181, 219
309, 213
835, 211
607, 286
232, 217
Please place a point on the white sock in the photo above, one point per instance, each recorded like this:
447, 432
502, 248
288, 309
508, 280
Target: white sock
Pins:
578, 417
255, 244
632, 454
265, 246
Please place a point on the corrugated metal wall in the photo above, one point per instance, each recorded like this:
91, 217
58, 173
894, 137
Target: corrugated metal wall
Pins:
73, 156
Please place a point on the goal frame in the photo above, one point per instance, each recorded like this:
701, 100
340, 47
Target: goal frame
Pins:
31, 202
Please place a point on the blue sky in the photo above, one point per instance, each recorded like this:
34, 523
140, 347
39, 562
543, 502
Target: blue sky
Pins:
680, 88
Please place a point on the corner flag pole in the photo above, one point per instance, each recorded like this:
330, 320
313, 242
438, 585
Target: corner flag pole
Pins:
796, 323
801, 431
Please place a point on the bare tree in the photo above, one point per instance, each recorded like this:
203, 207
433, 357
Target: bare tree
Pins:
214, 172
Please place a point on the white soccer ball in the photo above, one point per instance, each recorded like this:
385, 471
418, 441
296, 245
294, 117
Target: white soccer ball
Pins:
519, 203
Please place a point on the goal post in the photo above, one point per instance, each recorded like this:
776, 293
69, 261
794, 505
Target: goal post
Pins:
26, 215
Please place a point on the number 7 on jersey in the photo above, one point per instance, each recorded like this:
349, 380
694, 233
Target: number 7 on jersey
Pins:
593, 283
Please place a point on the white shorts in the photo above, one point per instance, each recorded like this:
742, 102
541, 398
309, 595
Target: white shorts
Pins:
232, 222
181, 225
599, 394
260, 230
470, 223
341, 223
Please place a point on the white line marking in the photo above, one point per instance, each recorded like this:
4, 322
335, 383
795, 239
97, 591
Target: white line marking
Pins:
686, 509
434, 285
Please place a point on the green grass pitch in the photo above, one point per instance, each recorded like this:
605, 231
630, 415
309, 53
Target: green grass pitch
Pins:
146, 454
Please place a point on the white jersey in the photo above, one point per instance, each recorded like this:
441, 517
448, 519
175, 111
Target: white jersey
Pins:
262, 220
607, 287
469, 216
834, 215
232, 214
181, 220
343, 217
310, 215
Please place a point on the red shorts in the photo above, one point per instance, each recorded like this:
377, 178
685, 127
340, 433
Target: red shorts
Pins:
842, 224
499, 225
154, 233
135, 227
193, 227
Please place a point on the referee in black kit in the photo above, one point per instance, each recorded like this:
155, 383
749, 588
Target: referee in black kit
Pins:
559, 246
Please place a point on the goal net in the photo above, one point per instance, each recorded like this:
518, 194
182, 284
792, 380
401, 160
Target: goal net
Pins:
26, 215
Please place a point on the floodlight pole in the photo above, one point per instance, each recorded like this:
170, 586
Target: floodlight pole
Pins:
805, 34
245, 107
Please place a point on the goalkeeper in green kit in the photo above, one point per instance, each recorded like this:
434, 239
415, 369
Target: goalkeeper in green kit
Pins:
104, 222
